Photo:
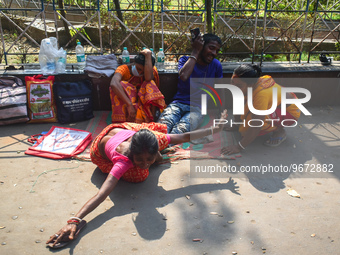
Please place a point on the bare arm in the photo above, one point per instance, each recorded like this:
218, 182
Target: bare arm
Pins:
247, 139
187, 137
188, 67
119, 91
234, 127
70, 229
252, 132
117, 88
107, 187
148, 68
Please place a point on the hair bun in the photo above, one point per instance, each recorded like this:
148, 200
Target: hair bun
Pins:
257, 69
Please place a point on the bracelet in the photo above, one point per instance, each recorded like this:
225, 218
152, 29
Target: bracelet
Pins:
212, 130
76, 222
193, 57
239, 143
76, 218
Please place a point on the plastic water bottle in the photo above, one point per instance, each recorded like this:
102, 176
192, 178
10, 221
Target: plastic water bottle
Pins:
153, 53
50, 61
160, 60
61, 63
80, 56
125, 56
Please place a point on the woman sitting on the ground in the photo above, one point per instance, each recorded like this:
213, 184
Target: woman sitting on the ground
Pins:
135, 96
249, 75
125, 150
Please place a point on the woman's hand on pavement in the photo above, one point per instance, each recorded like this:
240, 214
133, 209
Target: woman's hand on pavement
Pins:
67, 232
232, 149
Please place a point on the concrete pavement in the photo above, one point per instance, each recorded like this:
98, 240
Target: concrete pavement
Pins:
171, 213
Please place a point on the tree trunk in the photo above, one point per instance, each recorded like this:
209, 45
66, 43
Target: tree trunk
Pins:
62, 12
120, 15
209, 20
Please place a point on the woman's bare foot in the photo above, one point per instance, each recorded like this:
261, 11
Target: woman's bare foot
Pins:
278, 137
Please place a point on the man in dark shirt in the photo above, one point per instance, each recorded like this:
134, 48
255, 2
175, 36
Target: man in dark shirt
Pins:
182, 114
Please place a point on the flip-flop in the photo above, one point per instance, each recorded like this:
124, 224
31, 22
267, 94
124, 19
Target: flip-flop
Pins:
65, 240
280, 140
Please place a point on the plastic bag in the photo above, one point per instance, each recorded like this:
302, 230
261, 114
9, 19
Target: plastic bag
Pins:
61, 61
48, 55
13, 101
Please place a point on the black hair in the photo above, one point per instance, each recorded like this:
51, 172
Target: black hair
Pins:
143, 141
211, 37
140, 59
248, 72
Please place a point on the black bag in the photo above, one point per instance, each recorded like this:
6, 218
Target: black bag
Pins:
73, 100
13, 100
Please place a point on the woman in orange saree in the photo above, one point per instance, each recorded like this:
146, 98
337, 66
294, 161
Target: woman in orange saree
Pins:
124, 150
248, 75
134, 91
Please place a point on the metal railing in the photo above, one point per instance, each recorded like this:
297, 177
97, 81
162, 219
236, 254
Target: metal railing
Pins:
254, 30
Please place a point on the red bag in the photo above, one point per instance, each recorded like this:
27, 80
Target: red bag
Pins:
60, 143
40, 99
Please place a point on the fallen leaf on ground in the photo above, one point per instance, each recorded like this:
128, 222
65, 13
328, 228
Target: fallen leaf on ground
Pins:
293, 193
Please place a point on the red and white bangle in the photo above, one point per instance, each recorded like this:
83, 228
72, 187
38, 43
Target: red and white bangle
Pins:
74, 220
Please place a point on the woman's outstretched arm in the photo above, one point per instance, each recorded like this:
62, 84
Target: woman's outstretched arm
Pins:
70, 229
188, 136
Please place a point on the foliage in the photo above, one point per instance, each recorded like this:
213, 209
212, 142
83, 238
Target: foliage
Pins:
239, 34
73, 32
337, 47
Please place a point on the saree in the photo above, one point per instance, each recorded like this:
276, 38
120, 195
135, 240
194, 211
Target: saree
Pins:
262, 100
142, 94
134, 174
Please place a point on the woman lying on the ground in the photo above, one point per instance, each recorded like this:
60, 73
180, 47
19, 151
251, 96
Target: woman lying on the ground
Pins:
135, 96
125, 150
249, 75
